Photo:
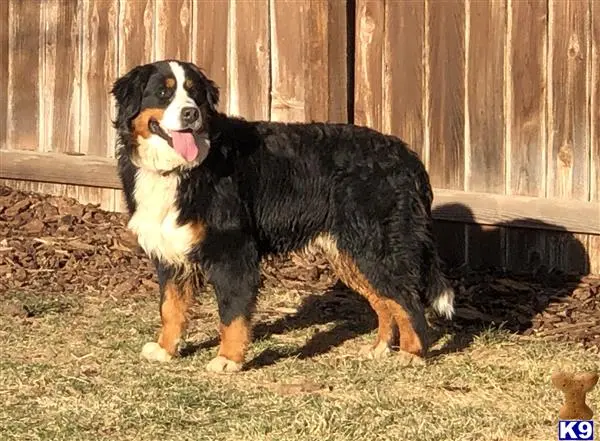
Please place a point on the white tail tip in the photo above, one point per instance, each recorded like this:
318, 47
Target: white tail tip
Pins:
444, 303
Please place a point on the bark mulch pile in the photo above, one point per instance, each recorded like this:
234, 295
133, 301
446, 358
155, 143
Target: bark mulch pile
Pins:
51, 245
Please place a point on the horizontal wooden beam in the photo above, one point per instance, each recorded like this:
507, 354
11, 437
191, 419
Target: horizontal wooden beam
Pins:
59, 168
517, 211
449, 205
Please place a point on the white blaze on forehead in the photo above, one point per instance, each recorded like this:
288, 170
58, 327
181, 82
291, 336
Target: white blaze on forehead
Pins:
172, 117
181, 96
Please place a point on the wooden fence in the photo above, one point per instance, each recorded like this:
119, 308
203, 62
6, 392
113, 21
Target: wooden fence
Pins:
501, 99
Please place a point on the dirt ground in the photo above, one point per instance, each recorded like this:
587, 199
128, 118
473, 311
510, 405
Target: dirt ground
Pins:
79, 300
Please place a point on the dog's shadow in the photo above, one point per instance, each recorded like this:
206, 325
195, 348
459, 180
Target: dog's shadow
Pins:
348, 314
494, 293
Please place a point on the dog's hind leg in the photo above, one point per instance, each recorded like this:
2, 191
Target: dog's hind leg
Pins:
411, 327
398, 307
349, 273
408, 318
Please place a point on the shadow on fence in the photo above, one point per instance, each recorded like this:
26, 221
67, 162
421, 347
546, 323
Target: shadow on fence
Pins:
514, 308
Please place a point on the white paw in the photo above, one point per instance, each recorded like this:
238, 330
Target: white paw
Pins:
221, 364
381, 350
154, 352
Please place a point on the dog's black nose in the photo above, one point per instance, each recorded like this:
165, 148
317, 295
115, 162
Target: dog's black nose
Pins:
189, 115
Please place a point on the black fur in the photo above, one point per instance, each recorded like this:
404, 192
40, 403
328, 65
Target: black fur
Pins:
269, 187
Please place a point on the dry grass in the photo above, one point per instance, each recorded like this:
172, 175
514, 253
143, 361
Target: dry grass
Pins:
71, 371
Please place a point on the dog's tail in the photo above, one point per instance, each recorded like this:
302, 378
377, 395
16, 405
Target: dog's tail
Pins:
439, 294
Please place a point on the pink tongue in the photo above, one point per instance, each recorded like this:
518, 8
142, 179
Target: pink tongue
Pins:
184, 144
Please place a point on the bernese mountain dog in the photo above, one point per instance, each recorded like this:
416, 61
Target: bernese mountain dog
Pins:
209, 195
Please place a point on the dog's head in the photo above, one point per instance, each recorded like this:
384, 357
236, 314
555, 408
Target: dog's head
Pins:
163, 114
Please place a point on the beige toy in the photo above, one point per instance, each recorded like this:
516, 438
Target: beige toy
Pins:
575, 387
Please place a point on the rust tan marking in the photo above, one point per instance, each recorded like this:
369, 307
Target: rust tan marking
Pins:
389, 312
188, 84
198, 232
409, 340
174, 315
170, 82
235, 339
140, 123
346, 269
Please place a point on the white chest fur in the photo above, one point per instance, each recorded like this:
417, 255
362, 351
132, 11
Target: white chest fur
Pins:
155, 218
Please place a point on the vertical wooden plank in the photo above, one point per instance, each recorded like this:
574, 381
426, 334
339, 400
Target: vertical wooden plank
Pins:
249, 62
485, 97
577, 256
300, 61
24, 75
568, 117
526, 250
568, 159
99, 71
594, 241
174, 29
526, 122
4, 34
485, 146
368, 71
445, 23
594, 253
567, 252
404, 73
337, 29
526, 98
594, 67
136, 34
62, 82
317, 59
211, 24
288, 63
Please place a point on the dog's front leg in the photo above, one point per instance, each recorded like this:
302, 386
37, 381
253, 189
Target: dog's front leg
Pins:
235, 280
176, 297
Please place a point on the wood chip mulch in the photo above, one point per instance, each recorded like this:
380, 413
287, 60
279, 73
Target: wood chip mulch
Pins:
51, 245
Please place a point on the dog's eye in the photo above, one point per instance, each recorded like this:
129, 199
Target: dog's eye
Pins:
164, 92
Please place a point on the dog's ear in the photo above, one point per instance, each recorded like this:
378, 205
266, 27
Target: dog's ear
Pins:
128, 91
212, 94
212, 90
